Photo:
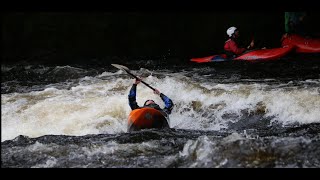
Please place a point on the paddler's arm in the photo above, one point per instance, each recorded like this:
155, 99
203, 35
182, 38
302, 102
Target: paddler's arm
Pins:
167, 102
132, 96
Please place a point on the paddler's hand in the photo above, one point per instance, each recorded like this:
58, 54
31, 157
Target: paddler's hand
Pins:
251, 45
156, 92
137, 81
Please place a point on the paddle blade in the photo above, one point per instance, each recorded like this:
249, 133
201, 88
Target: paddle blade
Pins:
121, 67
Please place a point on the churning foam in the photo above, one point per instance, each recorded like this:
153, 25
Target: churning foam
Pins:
98, 105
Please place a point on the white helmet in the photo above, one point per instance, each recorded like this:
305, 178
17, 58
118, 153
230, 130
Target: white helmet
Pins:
231, 30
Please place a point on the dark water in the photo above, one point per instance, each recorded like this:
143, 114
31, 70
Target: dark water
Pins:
226, 114
173, 148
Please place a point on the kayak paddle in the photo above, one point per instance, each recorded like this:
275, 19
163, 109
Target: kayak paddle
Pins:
124, 68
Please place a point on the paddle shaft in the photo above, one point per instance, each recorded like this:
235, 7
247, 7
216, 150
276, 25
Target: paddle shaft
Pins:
140, 80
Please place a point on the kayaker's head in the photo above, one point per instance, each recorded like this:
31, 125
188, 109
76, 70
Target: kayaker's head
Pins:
148, 102
233, 32
151, 103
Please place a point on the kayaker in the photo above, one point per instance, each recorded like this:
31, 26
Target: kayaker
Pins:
231, 46
149, 103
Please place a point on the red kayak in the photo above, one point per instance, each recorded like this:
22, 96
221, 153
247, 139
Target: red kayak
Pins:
302, 44
260, 54
214, 58
265, 54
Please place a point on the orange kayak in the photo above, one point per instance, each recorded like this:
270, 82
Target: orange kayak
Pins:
147, 118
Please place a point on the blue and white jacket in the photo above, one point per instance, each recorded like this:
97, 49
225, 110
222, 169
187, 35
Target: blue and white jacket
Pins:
134, 105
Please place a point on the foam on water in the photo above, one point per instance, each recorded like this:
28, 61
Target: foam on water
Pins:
100, 105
